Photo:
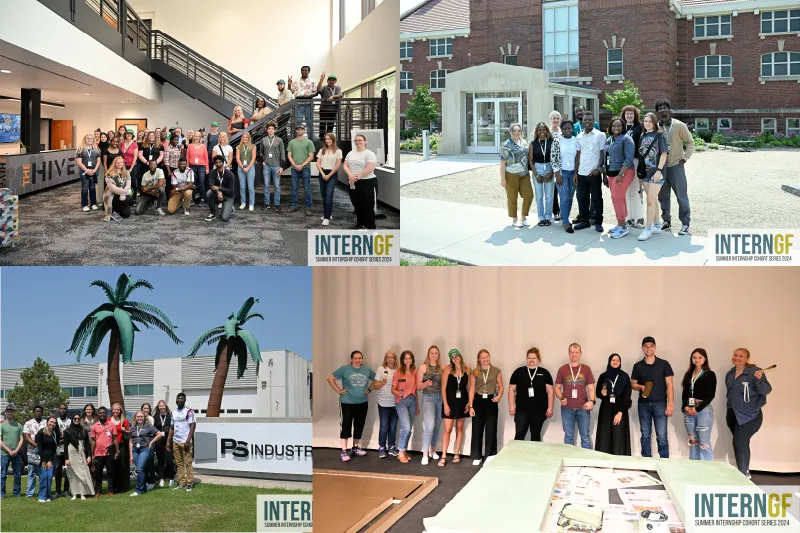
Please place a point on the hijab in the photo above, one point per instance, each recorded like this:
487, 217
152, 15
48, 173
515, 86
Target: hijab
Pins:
612, 373
75, 433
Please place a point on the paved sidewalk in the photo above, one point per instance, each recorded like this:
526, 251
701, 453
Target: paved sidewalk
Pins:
438, 166
482, 236
252, 482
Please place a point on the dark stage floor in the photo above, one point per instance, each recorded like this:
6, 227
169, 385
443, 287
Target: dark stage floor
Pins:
54, 231
452, 478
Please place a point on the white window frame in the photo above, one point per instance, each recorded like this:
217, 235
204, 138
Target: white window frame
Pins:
789, 130
706, 66
409, 124
697, 124
409, 82
719, 124
505, 60
448, 47
791, 15
409, 49
442, 78
791, 57
774, 130
702, 22
547, 7
621, 62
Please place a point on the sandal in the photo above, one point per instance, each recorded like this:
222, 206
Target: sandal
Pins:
456, 458
403, 458
442, 461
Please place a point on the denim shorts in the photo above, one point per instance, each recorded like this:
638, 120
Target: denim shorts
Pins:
650, 180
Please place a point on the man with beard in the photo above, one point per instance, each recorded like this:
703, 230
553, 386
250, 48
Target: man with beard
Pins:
29, 431
677, 134
103, 436
577, 126
62, 424
12, 450
181, 433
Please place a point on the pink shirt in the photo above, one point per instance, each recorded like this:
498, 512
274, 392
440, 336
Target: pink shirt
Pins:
103, 435
406, 384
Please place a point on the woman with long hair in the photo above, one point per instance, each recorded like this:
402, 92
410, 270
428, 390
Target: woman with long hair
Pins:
555, 131
88, 416
110, 153
633, 197
429, 381
246, 163
140, 447
112, 135
140, 136
454, 403
46, 444
540, 160
613, 425
699, 388
619, 173
387, 434
78, 450
653, 152
197, 157
404, 388
224, 149
119, 466
260, 110
117, 198
329, 160
162, 420
530, 396
747, 388
237, 122
356, 381
149, 150
514, 175
121, 133
485, 392
130, 153
87, 157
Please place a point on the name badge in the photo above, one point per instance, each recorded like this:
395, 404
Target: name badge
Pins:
108, 433
244, 163
691, 402
530, 392
149, 157
485, 396
89, 164
270, 155
574, 394
138, 445
612, 399
458, 394
196, 161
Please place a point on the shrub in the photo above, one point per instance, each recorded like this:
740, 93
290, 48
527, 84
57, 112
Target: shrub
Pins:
706, 135
713, 146
718, 138
698, 141
415, 145
409, 134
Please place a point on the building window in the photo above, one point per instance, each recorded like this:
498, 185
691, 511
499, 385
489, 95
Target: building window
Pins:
559, 105
780, 64
406, 81
232, 411
388, 83
78, 392
780, 21
437, 78
712, 67
4, 393
202, 411
246, 411
406, 50
561, 40
716, 26
441, 47
793, 126
350, 15
724, 124
510, 60
769, 125
614, 62
409, 124
701, 124
138, 390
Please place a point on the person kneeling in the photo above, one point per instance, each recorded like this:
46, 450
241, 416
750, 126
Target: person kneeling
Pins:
153, 183
182, 187
219, 191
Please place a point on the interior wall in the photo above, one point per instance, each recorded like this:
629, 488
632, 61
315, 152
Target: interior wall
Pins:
14, 107
606, 310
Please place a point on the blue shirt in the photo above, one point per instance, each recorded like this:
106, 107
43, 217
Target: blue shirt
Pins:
746, 394
578, 128
356, 381
620, 152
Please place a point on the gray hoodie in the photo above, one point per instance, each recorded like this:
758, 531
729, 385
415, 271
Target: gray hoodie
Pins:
746, 394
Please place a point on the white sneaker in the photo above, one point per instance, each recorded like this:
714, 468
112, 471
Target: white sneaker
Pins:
325, 222
94, 208
251, 208
73, 498
434, 455
241, 206
134, 493
645, 234
476, 462
171, 482
161, 483
656, 228
86, 209
160, 212
424, 460
186, 212
83, 498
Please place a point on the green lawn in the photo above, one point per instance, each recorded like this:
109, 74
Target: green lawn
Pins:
206, 508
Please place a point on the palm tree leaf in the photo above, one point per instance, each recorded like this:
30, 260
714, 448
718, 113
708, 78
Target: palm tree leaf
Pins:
100, 330
230, 328
149, 320
125, 325
215, 339
246, 306
138, 284
106, 288
141, 306
122, 284
204, 338
220, 347
85, 329
251, 315
252, 345
240, 348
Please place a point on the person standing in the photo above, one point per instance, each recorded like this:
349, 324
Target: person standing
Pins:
87, 158
130, 153
102, 146
359, 165
652, 376
555, 131
197, 157
62, 423
429, 381
575, 389
181, 433
613, 425
565, 151
540, 160
274, 154
103, 438
162, 421
220, 191
78, 458
143, 437
329, 160
119, 465
404, 389
152, 187
47, 443
245, 164
224, 149
589, 162
305, 89
530, 397
747, 388
514, 175
88, 417
329, 108
111, 153
387, 432
699, 388
212, 139
577, 127
620, 149
238, 122
172, 155
284, 94
485, 392
182, 187
455, 403
653, 152
301, 152
356, 379
11, 453
29, 431
633, 196
677, 135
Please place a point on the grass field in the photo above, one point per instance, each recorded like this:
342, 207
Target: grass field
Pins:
206, 508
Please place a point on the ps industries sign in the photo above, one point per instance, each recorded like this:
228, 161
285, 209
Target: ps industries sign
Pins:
267, 448
24, 173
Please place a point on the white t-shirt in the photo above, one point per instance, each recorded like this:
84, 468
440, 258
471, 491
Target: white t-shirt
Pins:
181, 418
180, 179
357, 161
385, 396
328, 160
568, 151
224, 151
591, 146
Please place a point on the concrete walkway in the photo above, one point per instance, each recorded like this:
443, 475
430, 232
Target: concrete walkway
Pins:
478, 235
251, 482
443, 165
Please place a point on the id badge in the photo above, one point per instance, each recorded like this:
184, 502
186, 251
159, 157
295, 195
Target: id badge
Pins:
108, 433
89, 164
691, 402
485, 396
458, 394
244, 163
149, 157
574, 394
612, 399
270, 155
138, 445
196, 161
530, 392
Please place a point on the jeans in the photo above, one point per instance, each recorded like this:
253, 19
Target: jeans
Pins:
406, 410
45, 482
16, 467
33, 472
303, 114
272, 175
544, 192
306, 175
200, 180
387, 434
583, 418
653, 413
674, 180
590, 198
698, 427
431, 420
566, 193
146, 200
227, 206
88, 189
327, 188
250, 178
141, 457
742, 433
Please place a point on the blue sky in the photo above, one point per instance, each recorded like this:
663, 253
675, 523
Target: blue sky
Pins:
42, 306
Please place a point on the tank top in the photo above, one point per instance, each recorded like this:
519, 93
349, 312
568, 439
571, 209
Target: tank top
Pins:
489, 386
433, 373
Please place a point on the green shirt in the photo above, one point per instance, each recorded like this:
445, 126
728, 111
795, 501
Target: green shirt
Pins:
11, 432
356, 381
300, 150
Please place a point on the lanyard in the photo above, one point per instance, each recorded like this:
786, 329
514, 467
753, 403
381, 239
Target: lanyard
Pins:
163, 419
534, 374
271, 141
574, 377
138, 430
486, 377
458, 381
695, 379
613, 383
668, 130
543, 146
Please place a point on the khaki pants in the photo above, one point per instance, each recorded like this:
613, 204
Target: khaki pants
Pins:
518, 185
176, 200
183, 463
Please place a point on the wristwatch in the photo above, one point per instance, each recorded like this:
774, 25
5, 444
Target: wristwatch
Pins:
660, 169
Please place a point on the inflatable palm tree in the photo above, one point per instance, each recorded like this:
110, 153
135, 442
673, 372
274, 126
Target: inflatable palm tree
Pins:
231, 340
118, 317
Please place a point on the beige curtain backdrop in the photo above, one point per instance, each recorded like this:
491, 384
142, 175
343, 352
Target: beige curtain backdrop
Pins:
507, 310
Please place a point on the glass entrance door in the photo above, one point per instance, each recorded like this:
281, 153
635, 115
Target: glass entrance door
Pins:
492, 118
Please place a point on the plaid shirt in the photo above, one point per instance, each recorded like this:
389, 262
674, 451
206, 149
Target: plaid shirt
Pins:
171, 156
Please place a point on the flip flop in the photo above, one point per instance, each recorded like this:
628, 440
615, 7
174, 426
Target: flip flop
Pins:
456, 458
442, 461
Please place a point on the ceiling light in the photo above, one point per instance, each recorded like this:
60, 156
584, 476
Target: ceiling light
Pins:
86, 94
58, 101
5, 72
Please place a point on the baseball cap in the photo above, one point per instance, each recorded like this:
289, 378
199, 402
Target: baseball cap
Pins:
452, 353
300, 126
214, 124
648, 339
332, 77
11, 407
281, 81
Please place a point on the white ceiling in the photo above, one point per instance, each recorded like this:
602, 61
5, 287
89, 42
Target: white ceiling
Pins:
57, 82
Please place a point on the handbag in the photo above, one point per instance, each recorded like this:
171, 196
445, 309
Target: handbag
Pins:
34, 458
642, 172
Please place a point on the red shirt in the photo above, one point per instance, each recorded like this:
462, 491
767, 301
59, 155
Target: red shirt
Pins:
120, 426
200, 153
103, 435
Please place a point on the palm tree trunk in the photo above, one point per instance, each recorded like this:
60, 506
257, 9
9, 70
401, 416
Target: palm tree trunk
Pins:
220, 375
114, 385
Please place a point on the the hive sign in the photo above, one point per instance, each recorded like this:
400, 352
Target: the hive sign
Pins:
287, 452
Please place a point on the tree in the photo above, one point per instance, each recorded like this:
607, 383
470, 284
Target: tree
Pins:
231, 340
628, 95
118, 317
422, 108
39, 387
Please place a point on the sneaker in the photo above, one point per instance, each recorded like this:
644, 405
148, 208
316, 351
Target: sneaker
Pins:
83, 498
557, 217
116, 217
345, 457
277, 209
434, 455
150, 486
645, 234
621, 231
309, 213
598, 228
424, 460
186, 212
171, 482
581, 225
73, 498
358, 451
177, 487
548, 222
161, 483
160, 212
43, 501
666, 226
267, 207
251, 208
747, 475
514, 223
393, 451
655, 228
210, 217
325, 222
629, 222
382, 453
135, 494
525, 222
191, 203
242, 206
85, 210
189, 488
639, 224
476, 462
293, 210
542, 223
568, 228
94, 208
684, 230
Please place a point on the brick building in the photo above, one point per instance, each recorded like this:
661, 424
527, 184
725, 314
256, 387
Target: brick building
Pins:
724, 64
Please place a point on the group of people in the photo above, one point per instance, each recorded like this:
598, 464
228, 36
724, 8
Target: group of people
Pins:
79, 448
453, 392
641, 154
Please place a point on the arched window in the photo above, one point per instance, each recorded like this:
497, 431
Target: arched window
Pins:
711, 67
780, 64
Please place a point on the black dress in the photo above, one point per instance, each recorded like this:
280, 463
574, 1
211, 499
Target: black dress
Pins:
456, 405
109, 158
612, 439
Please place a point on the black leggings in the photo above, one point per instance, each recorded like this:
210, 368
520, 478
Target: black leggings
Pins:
166, 464
122, 207
353, 417
363, 198
525, 421
484, 427
741, 438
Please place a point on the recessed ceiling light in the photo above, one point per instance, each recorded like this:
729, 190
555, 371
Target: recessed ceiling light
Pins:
58, 101
5, 72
